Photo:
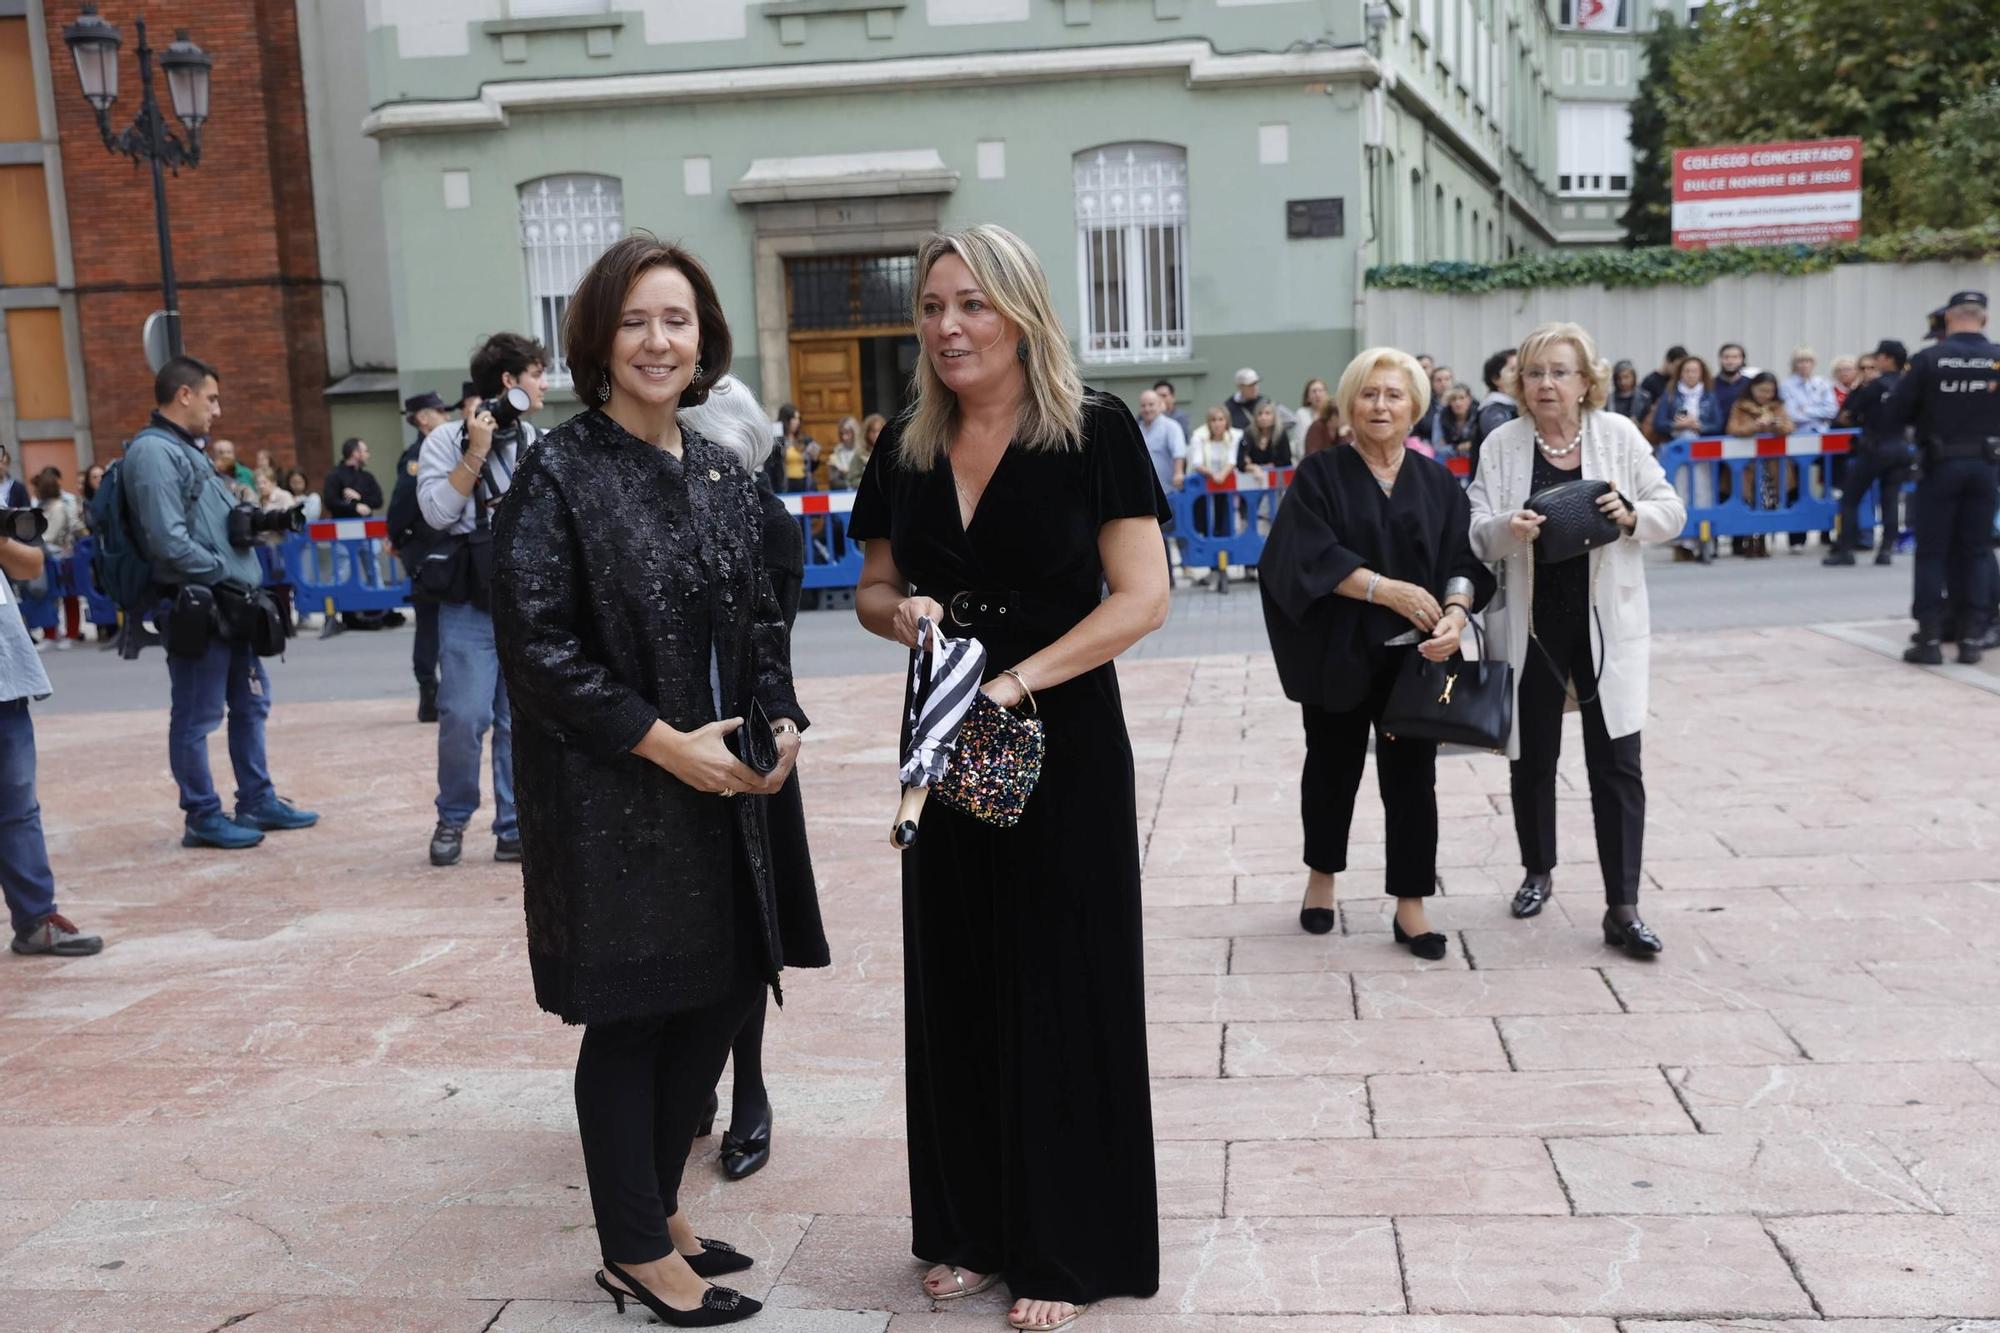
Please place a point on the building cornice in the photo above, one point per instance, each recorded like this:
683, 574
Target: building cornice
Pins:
1197, 59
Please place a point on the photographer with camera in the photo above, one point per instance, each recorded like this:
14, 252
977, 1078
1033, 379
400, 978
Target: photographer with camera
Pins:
199, 542
25, 878
463, 472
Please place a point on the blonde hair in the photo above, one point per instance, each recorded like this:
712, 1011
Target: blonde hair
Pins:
1011, 277
1367, 363
1536, 347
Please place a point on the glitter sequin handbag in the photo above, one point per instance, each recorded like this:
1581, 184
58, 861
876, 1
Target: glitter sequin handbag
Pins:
996, 765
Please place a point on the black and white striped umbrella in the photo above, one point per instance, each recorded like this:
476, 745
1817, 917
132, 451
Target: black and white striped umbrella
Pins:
944, 675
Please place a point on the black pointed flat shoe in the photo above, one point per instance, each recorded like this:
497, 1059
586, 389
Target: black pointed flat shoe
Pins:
1533, 895
1635, 937
1316, 920
716, 1258
747, 1153
1428, 946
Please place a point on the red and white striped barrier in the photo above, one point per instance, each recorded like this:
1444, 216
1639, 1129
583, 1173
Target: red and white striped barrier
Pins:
1770, 446
819, 502
347, 529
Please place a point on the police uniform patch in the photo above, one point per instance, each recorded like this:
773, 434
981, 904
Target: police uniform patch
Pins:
411, 467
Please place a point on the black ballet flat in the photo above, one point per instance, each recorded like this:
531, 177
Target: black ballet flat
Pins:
746, 1154
707, 1125
717, 1258
719, 1305
1635, 937
1533, 895
1316, 920
1428, 946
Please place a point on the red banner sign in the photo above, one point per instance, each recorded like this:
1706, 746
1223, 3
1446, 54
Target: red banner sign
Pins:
1767, 194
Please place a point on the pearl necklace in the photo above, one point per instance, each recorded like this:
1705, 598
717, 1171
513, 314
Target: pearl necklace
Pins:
1565, 452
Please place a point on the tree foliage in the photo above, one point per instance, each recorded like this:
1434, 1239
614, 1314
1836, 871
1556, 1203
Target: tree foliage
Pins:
1951, 179
1648, 218
1768, 70
1660, 266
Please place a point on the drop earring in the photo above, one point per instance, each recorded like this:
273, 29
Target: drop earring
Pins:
1021, 351
697, 372
604, 389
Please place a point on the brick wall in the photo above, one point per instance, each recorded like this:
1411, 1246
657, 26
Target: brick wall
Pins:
246, 249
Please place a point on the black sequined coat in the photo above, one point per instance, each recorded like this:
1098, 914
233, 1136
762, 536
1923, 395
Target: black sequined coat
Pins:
618, 571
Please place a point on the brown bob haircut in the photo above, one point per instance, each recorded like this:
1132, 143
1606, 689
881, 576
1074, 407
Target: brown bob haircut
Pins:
591, 322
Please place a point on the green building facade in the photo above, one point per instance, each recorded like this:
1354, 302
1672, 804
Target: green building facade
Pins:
1206, 181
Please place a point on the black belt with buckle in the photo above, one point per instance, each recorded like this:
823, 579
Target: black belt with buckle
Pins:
974, 608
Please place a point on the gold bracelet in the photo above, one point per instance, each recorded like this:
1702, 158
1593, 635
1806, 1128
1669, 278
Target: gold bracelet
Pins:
1022, 681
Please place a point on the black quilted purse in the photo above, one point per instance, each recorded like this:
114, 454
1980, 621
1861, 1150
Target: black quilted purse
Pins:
1573, 524
1457, 702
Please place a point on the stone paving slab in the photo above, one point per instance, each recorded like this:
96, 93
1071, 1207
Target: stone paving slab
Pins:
306, 1088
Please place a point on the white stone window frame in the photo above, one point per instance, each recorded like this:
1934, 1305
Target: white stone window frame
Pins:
567, 221
1132, 253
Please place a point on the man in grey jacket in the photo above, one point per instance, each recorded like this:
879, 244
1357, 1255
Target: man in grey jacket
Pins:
463, 470
181, 509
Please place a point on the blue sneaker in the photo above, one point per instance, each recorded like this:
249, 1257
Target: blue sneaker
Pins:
216, 830
275, 815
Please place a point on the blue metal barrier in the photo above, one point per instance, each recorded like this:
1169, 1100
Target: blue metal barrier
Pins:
832, 560
1220, 526
341, 563
1739, 486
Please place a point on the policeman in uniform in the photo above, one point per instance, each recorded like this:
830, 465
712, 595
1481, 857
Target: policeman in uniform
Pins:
1882, 454
1952, 393
413, 537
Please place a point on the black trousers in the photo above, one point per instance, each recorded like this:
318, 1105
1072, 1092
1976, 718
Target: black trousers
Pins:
424, 653
1954, 521
642, 1085
1888, 464
1405, 772
1617, 788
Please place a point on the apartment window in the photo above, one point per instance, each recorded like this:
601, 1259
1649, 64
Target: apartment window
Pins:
1131, 242
1596, 15
1593, 149
566, 223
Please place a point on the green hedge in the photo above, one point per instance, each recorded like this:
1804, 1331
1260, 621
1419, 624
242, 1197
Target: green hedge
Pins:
1663, 266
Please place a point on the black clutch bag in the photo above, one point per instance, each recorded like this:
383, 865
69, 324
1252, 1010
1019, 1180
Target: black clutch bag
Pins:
1455, 702
1573, 524
754, 742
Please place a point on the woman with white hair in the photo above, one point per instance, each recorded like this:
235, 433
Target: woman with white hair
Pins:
1369, 541
1578, 628
733, 419
1008, 497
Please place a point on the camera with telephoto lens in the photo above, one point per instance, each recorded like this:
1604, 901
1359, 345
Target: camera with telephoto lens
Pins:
508, 408
247, 523
23, 525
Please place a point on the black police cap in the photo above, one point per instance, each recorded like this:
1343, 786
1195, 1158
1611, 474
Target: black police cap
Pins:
1967, 298
418, 402
1892, 349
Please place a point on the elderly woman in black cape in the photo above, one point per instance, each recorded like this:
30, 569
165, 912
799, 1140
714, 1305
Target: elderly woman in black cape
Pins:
638, 631
1370, 542
733, 419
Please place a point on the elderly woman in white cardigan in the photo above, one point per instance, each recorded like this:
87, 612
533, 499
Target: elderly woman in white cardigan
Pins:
1587, 617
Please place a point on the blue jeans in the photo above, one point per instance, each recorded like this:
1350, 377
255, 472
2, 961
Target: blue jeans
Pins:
24, 857
227, 674
471, 698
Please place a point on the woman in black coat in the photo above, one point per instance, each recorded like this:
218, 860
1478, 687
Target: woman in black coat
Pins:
732, 418
1370, 541
636, 626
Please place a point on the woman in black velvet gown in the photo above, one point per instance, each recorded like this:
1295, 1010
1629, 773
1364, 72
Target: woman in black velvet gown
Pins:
1001, 506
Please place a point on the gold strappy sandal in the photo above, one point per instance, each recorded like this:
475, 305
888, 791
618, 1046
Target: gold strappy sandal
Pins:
963, 1290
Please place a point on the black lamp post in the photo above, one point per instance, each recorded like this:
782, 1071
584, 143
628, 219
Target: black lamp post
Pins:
94, 43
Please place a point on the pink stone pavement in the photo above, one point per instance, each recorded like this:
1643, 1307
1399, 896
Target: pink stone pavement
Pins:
305, 1088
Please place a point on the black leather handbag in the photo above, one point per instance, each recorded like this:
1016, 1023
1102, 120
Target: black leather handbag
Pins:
1573, 524
1455, 702
755, 743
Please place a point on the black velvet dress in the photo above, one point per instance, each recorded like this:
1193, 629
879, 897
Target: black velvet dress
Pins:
1030, 1119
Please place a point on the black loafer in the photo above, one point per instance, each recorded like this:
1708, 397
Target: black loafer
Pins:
1532, 896
1635, 937
1316, 920
1429, 946
717, 1258
745, 1154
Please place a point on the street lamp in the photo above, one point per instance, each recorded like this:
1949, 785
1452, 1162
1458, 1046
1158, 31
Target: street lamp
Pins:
94, 43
